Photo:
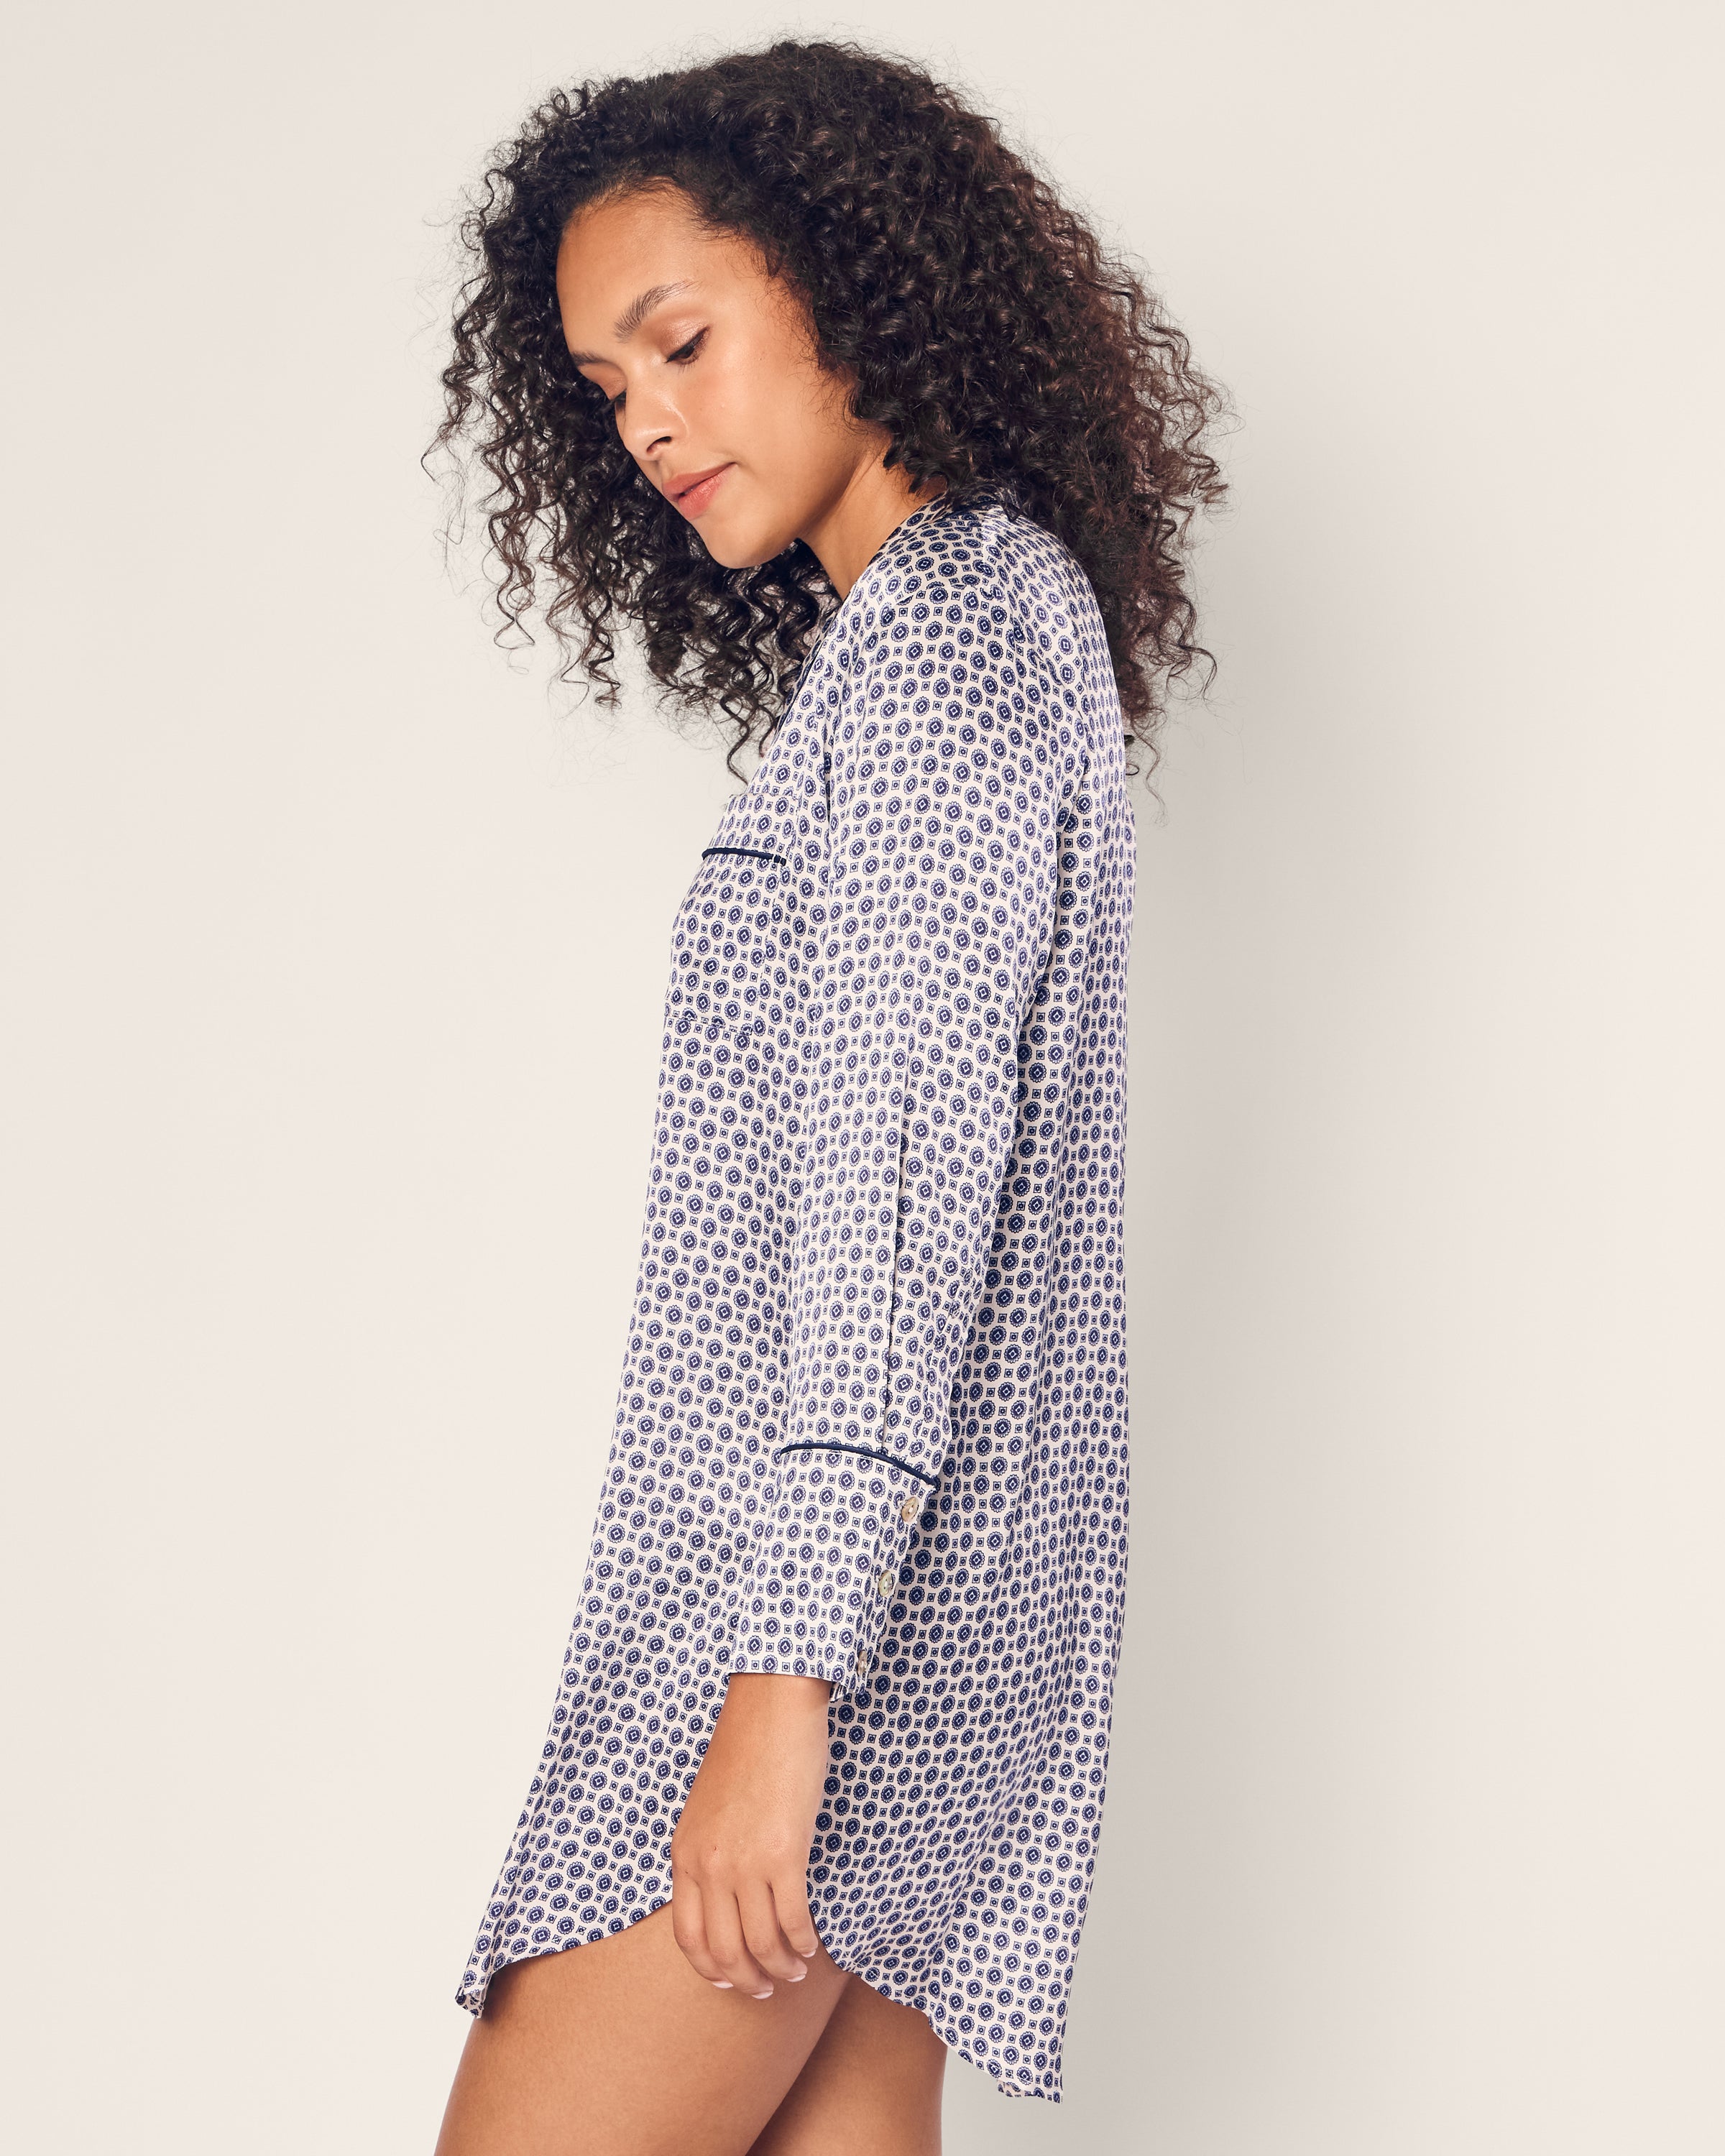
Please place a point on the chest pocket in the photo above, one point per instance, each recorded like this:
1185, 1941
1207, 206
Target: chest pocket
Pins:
731, 951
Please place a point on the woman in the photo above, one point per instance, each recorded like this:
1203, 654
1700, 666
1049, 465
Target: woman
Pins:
789, 362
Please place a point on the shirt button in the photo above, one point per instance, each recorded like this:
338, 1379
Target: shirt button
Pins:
910, 1508
884, 1581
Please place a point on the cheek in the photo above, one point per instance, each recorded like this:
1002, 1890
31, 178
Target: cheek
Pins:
770, 403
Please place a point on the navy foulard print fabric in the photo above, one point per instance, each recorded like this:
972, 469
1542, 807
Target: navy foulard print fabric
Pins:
872, 1421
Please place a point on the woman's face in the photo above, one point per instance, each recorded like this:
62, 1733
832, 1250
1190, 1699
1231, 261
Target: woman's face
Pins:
709, 367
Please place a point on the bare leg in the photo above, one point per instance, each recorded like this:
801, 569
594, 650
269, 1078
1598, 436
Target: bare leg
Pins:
619, 2049
872, 2087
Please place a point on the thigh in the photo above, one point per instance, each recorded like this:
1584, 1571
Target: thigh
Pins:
872, 2087
619, 2049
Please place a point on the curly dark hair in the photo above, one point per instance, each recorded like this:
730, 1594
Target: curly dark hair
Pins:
977, 318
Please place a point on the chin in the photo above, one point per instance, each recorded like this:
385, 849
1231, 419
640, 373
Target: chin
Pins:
742, 543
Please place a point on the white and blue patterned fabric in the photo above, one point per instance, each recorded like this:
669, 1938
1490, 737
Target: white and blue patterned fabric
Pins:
872, 1424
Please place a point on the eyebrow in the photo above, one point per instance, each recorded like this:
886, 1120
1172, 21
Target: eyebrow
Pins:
633, 316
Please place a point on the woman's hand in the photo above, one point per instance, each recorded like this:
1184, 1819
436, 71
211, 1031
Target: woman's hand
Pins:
740, 1853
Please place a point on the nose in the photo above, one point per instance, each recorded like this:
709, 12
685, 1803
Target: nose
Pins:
646, 422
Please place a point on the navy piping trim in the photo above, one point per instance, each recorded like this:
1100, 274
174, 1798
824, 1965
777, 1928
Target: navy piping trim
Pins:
748, 853
868, 1452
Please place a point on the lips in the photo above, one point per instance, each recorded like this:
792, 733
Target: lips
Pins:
692, 491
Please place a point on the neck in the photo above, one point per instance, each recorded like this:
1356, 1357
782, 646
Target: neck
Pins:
876, 501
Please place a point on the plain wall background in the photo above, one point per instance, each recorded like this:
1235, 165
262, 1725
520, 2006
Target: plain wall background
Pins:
334, 957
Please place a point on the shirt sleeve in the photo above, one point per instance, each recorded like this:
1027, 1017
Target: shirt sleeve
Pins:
933, 925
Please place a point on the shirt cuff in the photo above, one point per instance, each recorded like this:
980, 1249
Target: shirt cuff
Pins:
834, 1552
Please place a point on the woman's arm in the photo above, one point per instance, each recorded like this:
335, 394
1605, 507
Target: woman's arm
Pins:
740, 1853
935, 924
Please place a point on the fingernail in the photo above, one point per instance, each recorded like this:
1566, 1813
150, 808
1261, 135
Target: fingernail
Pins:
810, 1955
760, 1995
722, 1983
798, 1976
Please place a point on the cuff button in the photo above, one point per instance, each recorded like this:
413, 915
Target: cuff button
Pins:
910, 1508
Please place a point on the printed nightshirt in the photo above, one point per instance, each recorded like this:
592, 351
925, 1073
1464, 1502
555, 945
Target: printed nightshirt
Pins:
872, 1421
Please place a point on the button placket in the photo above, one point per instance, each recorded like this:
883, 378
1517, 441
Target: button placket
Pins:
886, 1579
897, 1514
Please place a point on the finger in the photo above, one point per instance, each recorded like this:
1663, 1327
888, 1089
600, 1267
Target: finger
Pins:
790, 1899
724, 1939
766, 1943
689, 1929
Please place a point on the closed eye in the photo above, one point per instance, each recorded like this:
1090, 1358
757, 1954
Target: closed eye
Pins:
680, 358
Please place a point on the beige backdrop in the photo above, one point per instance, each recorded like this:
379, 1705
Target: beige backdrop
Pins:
334, 958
